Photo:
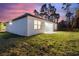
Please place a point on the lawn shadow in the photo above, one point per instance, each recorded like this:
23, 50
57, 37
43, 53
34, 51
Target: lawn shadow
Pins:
6, 35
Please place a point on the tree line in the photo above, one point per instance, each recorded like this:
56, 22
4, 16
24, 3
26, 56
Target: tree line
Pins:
50, 13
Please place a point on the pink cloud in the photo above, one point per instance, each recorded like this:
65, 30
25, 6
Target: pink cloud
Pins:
15, 10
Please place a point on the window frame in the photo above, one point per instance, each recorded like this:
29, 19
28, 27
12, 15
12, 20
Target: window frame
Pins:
37, 24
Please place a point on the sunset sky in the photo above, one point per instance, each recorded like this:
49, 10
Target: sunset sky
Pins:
9, 11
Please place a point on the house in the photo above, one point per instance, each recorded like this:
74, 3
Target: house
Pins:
27, 25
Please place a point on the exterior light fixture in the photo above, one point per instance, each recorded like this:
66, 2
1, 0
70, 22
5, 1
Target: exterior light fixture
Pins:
10, 23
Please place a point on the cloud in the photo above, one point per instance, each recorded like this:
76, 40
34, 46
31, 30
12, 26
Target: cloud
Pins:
10, 11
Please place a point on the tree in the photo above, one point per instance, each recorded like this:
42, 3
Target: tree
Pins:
43, 8
36, 12
2, 27
62, 25
43, 11
52, 9
66, 8
53, 15
77, 19
68, 16
77, 13
57, 16
48, 13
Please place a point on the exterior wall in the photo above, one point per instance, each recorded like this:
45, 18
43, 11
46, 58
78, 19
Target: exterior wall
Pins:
18, 27
55, 26
30, 28
48, 27
25, 26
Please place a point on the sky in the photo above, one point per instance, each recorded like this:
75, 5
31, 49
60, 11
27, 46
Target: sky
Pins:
9, 11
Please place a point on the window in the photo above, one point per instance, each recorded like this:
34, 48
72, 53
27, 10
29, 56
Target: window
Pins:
37, 24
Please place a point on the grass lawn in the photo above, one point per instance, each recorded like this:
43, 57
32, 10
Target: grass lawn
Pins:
57, 44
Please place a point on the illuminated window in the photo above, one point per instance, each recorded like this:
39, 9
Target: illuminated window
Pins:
37, 24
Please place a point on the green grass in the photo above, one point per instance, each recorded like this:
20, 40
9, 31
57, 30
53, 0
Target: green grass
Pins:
57, 44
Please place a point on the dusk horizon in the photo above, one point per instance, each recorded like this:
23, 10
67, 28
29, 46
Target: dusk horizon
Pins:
9, 11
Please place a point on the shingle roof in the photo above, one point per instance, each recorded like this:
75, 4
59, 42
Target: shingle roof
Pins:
28, 14
25, 15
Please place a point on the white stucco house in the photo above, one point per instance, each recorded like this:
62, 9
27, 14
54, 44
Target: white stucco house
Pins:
27, 25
